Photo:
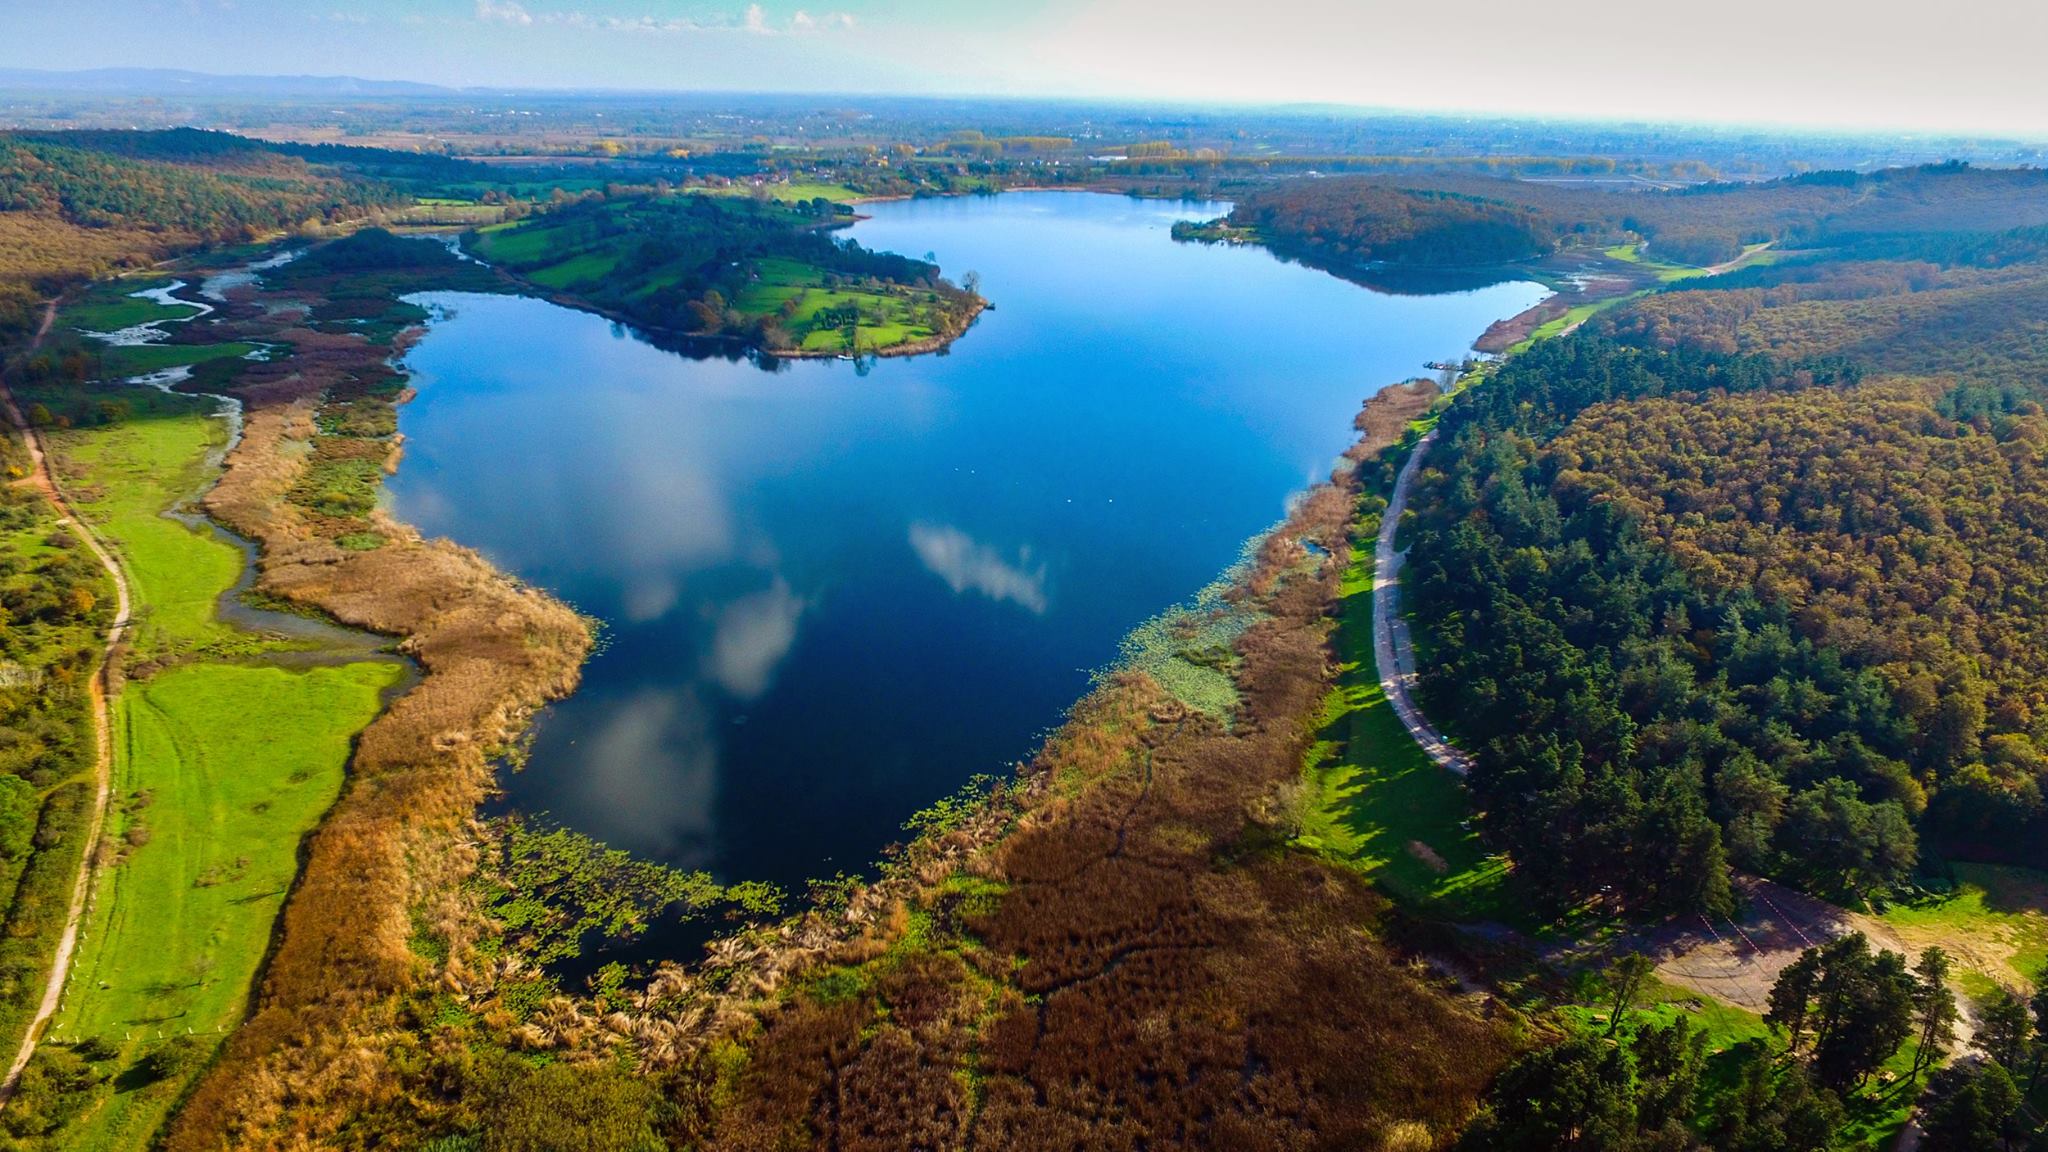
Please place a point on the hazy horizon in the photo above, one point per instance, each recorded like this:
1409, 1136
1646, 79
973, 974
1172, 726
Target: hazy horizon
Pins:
1883, 66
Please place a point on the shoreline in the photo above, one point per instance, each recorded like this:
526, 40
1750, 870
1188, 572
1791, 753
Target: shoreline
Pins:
394, 840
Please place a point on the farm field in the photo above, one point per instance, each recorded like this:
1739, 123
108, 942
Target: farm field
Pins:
881, 319
789, 193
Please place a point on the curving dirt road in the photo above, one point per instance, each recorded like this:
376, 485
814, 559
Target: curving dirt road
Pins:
44, 478
1392, 648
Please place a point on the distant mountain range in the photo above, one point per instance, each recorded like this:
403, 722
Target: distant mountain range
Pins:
174, 81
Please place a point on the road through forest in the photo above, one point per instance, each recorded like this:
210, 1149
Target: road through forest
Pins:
1392, 647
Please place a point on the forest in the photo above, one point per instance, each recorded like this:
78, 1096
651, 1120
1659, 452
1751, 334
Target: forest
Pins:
74, 206
1449, 217
1354, 222
1743, 577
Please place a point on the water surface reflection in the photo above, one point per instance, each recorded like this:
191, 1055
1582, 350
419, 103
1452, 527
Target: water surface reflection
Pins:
830, 598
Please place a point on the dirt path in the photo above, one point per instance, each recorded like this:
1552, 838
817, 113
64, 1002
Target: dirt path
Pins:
1392, 647
43, 477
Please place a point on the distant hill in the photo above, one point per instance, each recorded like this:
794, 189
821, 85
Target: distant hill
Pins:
171, 81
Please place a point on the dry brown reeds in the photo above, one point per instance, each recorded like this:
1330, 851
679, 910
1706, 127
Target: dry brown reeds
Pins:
1159, 971
394, 845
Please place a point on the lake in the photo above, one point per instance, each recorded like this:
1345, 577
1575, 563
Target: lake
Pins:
830, 598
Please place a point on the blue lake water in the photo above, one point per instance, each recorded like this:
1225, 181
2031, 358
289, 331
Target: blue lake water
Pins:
830, 598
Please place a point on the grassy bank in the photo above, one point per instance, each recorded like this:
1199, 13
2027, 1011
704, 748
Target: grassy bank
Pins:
1377, 802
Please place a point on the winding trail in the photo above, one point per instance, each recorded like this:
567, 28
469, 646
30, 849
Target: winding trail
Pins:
99, 689
1392, 648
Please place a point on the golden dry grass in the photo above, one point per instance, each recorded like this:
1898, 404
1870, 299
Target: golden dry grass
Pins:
491, 650
1160, 970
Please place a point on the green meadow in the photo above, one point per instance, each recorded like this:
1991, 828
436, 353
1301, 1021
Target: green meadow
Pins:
788, 193
138, 359
112, 306
222, 765
220, 771
123, 477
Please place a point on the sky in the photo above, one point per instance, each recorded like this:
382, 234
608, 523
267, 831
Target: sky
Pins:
1919, 65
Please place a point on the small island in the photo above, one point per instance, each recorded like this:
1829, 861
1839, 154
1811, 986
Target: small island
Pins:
764, 275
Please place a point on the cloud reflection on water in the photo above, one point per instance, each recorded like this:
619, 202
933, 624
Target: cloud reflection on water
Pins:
751, 637
966, 565
657, 742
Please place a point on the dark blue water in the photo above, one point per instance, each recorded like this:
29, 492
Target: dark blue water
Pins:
831, 598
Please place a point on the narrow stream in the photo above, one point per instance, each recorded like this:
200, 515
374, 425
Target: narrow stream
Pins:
314, 641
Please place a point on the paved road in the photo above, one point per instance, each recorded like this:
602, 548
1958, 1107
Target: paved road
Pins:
103, 758
1392, 648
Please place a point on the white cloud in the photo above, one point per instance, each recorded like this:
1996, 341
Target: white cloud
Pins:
752, 636
955, 557
503, 12
753, 20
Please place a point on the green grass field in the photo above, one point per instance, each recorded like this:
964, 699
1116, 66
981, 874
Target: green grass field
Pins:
1668, 272
138, 359
1377, 803
1994, 922
123, 477
783, 280
789, 193
516, 242
577, 269
112, 306
221, 770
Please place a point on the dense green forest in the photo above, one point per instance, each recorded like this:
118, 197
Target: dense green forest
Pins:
1632, 730
768, 274
1449, 217
1714, 585
1351, 222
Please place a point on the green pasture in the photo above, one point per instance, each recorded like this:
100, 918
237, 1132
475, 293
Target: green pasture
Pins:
139, 359
782, 280
577, 269
221, 770
112, 306
510, 243
123, 476
788, 193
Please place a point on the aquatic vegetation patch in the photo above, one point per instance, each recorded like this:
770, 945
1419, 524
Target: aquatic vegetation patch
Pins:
1190, 650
